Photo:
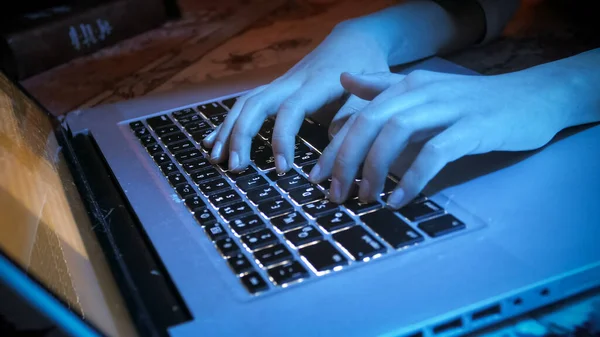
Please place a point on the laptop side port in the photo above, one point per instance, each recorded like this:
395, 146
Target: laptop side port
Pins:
487, 312
446, 327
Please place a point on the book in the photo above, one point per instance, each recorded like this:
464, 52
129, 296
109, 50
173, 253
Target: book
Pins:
49, 37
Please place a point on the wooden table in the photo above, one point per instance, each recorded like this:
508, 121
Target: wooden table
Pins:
234, 36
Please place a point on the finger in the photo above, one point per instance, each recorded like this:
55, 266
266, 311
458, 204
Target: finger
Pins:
209, 140
311, 96
368, 86
409, 126
352, 106
458, 140
362, 134
220, 137
252, 116
324, 165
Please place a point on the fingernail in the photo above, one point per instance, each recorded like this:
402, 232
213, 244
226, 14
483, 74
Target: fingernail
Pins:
395, 199
335, 190
216, 152
365, 192
313, 176
234, 161
281, 163
210, 138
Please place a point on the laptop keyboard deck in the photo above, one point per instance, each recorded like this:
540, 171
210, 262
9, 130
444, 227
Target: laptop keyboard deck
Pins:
272, 229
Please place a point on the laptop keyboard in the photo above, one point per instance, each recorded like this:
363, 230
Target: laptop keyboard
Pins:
275, 230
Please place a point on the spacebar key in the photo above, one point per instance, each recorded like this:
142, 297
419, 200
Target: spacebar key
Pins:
391, 228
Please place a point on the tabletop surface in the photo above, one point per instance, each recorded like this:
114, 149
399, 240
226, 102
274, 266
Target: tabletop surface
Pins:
228, 37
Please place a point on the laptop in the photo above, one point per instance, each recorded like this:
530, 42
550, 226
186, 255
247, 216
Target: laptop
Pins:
116, 224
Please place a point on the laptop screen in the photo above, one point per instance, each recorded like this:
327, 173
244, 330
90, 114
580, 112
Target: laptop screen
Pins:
43, 223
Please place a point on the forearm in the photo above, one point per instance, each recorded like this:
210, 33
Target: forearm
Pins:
417, 29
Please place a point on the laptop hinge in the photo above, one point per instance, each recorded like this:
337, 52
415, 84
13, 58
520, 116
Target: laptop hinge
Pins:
145, 285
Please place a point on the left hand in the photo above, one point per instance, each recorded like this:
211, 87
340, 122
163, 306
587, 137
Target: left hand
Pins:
458, 115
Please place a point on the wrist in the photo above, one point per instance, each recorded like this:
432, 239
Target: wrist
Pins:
364, 30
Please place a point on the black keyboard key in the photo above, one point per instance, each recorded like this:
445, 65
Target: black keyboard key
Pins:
306, 194
326, 184
265, 162
159, 122
289, 221
418, 211
391, 228
196, 126
229, 102
191, 119
389, 186
263, 193
168, 168
442, 225
147, 140
176, 179
304, 235
307, 168
205, 175
248, 183
320, 208
187, 156
259, 149
323, 256
259, 239
305, 158
217, 119
214, 186
239, 263
210, 109
290, 183
181, 146
215, 231
154, 149
254, 283
173, 138
249, 171
182, 113
136, 125
196, 165
335, 221
287, 273
161, 158
204, 217
275, 207
194, 202
167, 130
315, 135
247, 224
274, 176
227, 247
224, 198
142, 132
272, 255
200, 135
357, 207
266, 130
184, 190
359, 243
300, 148
236, 210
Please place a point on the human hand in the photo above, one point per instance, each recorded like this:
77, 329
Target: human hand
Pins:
456, 115
302, 91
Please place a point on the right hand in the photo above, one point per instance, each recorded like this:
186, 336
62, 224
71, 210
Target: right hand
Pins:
302, 91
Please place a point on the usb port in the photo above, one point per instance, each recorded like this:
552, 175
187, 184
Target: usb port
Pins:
455, 324
487, 312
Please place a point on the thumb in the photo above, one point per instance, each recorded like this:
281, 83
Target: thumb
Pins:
368, 86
